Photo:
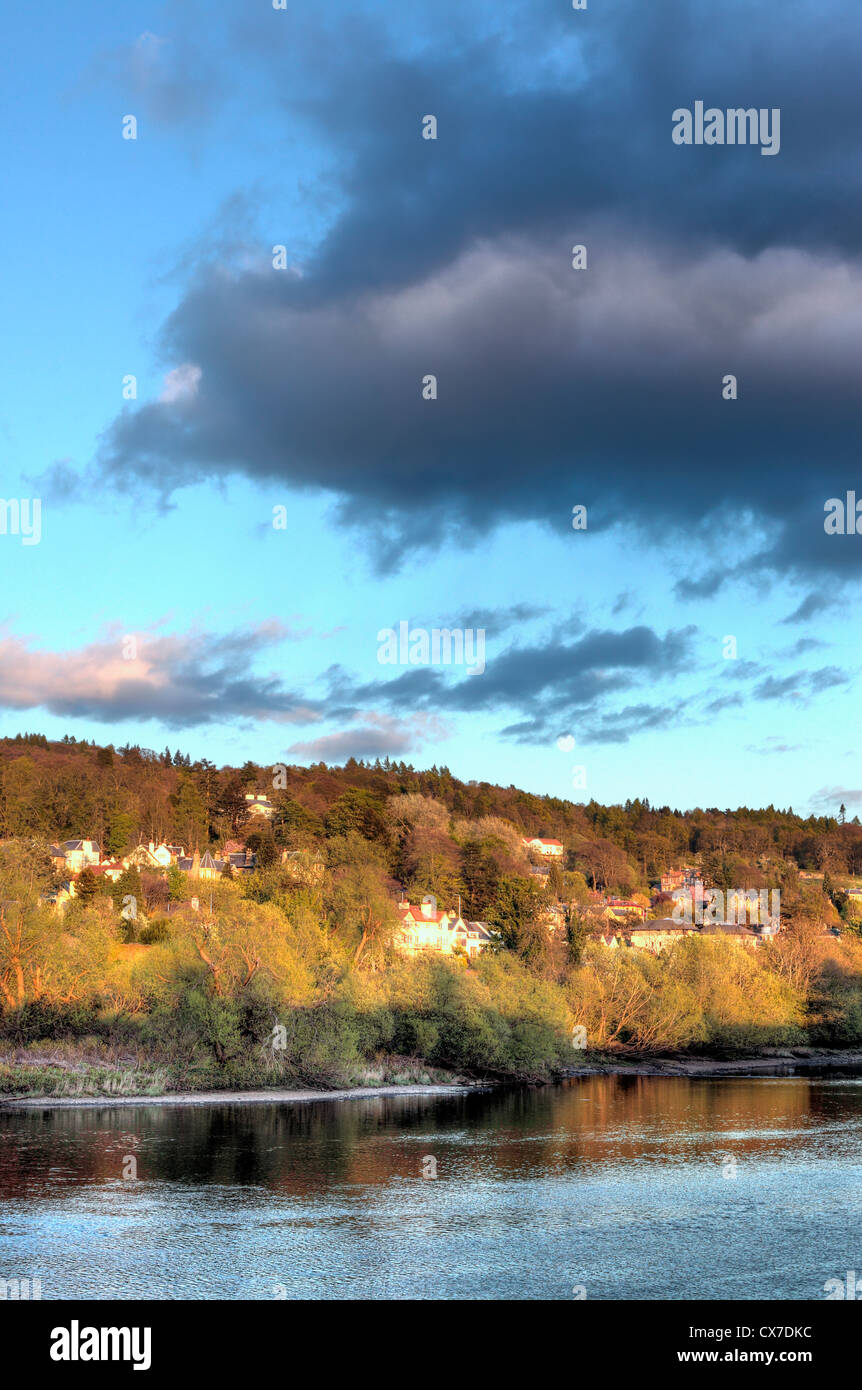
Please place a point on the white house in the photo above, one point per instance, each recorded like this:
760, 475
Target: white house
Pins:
423, 928
79, 854
149, 856
551, 849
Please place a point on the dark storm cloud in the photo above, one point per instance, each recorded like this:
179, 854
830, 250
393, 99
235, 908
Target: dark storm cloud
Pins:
547, 118
452, 257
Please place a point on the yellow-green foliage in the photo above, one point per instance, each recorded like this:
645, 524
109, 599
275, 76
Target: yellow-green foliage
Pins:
703, 990
209, 1000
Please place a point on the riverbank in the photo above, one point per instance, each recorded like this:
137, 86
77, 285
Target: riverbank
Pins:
765, 1063
274, 1097
85, 1072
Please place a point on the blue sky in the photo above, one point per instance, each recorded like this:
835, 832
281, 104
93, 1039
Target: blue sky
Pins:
301, 388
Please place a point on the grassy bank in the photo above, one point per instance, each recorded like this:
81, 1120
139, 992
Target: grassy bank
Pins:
90, 1068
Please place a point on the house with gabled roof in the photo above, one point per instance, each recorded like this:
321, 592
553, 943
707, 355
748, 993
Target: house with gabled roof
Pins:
478, 937
656, 935
304, 865
201, 866
79, 854
732, 931
207, 866
425, 928
112, 869
551, 849
151, 856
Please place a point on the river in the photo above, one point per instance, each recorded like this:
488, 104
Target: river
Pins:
601, 1188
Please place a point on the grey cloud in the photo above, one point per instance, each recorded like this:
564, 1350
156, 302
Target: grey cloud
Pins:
724, 702
183, 681
624, 724
380, 737
810, 607
800, 683
452, 257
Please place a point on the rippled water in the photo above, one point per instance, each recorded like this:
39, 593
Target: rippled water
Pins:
620, 1186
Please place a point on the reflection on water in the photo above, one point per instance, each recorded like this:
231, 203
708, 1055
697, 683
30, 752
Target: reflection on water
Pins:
647, 1188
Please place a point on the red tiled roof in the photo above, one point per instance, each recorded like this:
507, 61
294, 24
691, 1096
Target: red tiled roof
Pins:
418, 915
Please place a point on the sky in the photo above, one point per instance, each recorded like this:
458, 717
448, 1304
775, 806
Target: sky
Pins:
224, 539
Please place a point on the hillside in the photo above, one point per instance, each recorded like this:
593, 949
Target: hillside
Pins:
120, 797
298, 968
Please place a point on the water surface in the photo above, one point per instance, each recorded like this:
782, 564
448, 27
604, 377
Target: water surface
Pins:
619, 1187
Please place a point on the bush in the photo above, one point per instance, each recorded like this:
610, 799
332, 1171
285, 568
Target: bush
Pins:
155, 932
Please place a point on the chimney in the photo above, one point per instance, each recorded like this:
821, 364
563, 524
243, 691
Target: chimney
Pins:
196, 864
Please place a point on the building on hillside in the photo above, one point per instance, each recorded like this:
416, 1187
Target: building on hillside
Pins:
207, 867
79, 854
151, 856
656, 935
60, 897
732, 931
553, 916
424, 928
201, 866
112, 869
479, 936
684, 877
541, 873
622, 910
551, 849
242, 861
257, 804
